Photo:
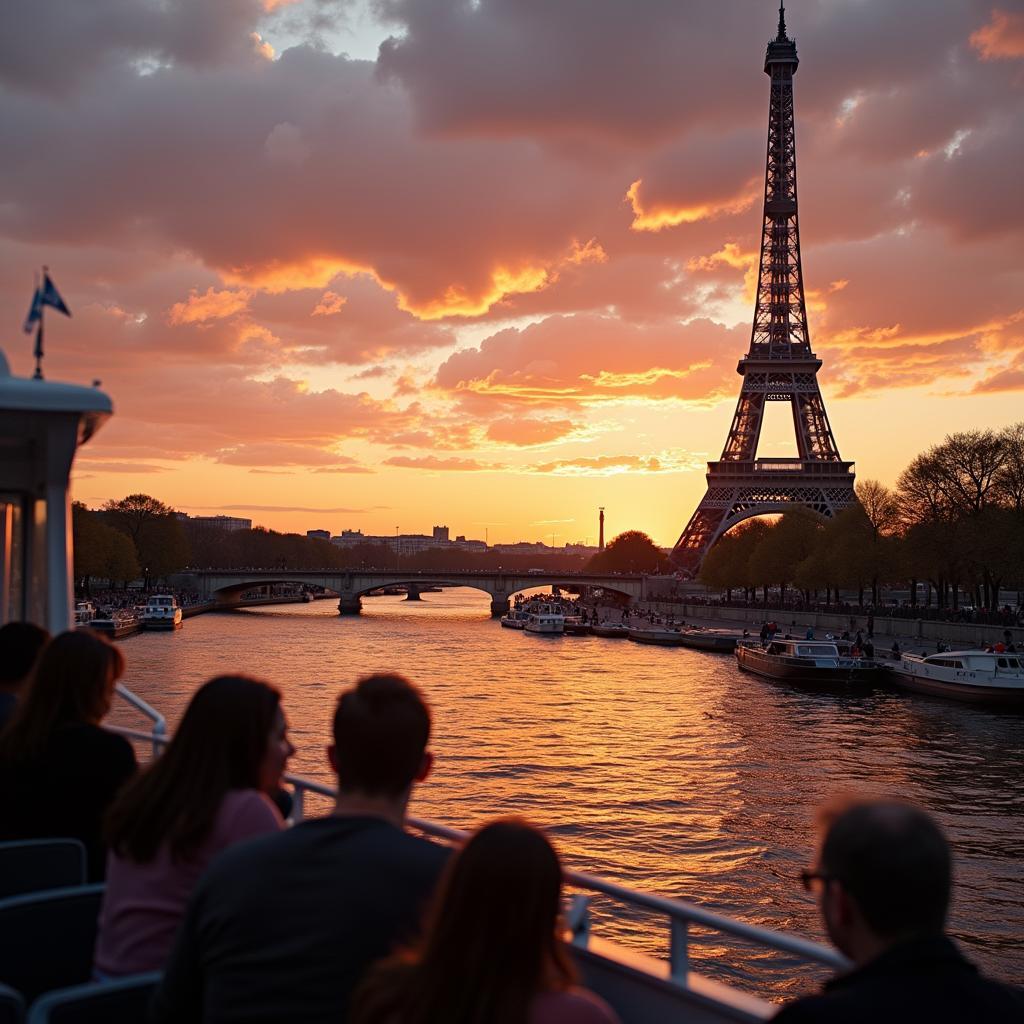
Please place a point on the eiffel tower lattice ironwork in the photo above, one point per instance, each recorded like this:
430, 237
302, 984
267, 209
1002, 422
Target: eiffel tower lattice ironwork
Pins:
780, 366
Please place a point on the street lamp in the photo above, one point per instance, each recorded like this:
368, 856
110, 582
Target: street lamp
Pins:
397, 549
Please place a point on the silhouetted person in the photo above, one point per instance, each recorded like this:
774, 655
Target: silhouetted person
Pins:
883, 881
282, 928
212, 788
59, 770
20, 645
492, 949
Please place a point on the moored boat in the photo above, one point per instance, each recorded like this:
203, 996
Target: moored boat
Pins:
611, 630
514, 618
664, 636
721, 641
116, 624
805, 662
575, 626
85, 612
161, 612
982, 677
545, 620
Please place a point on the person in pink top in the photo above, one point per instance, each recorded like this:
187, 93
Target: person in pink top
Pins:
209, 790
492, 949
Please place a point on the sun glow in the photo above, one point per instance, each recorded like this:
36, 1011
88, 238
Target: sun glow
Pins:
658, 217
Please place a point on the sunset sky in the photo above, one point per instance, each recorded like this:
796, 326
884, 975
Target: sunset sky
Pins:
353, 264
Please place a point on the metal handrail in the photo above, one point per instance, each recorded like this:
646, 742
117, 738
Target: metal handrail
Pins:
159, 731
681, 914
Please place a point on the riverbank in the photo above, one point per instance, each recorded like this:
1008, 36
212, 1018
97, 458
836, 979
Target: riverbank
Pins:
916, 632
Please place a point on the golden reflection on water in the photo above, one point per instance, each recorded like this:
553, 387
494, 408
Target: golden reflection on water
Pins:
662, 768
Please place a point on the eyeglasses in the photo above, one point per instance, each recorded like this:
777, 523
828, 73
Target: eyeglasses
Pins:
808, 878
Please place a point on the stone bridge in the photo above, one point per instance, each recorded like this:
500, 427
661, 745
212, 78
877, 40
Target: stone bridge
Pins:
225, 586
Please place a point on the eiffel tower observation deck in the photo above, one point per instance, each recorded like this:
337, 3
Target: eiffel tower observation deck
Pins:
780, 365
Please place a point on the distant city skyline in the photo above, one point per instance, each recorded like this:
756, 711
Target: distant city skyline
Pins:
329, 261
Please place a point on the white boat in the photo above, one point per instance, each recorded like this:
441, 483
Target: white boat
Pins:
515, 618
990, 677
162, 612
85, 612
663, 636
546, 620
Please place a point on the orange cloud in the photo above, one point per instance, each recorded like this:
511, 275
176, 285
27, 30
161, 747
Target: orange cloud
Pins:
435, 463
613, 465
213, 305
660, 216
1002, 38
525, 431
329, 304
731, 255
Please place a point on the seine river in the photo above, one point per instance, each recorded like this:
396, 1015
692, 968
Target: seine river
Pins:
662, 768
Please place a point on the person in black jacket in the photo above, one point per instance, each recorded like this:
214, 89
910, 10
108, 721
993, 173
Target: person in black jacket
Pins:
59, 770
883, 881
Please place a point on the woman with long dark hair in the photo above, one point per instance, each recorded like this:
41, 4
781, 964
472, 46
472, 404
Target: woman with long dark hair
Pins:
59, 770
491, 953
211, 789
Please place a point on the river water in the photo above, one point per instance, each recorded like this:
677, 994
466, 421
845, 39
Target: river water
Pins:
662, 768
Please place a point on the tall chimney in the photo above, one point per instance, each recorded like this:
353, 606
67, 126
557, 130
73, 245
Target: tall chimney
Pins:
600, 530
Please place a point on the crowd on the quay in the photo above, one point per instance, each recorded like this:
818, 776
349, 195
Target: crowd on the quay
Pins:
349, 917
1002, 616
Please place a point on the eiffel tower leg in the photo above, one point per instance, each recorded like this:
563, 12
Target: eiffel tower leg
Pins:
706, 525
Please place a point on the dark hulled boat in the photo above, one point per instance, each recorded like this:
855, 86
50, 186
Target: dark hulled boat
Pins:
805, 663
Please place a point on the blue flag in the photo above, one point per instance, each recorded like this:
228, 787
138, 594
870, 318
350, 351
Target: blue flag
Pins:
35, 311
51, 297
47, 295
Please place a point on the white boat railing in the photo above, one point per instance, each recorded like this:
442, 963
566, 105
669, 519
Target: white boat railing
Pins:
158, 734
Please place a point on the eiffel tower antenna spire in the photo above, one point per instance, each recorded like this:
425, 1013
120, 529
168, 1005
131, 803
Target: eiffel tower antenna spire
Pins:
780, 365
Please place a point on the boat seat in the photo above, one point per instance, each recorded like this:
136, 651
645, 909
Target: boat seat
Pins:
123, 1001
47, 938
30, 865
12, 1006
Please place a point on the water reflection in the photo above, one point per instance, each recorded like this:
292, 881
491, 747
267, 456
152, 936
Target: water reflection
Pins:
663, 768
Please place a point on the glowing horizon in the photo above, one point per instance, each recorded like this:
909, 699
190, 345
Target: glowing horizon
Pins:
435, 287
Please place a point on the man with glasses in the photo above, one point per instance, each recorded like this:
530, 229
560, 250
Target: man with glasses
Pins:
882, 881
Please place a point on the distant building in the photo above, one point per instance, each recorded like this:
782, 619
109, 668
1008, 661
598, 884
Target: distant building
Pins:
461, 544
352, 538
319, 534
229, 523
441, 534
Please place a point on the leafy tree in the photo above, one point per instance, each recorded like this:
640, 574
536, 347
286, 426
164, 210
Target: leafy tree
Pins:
632, 551
160, 542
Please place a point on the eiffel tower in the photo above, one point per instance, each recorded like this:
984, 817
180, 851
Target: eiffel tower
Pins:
780, 366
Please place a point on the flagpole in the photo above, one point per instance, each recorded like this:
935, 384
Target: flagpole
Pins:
38, 375
38, 353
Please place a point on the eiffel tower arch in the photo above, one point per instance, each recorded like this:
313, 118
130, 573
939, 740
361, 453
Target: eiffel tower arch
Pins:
779, 366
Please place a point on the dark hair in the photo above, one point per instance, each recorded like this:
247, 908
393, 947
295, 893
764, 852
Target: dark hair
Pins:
219, 746
893, 861
20, 644
491, 942
381, 727
71, 683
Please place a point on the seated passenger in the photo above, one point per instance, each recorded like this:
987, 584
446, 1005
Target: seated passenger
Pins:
883, 880
20, 644
212, 788
282, 928
59, 771
492, 950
